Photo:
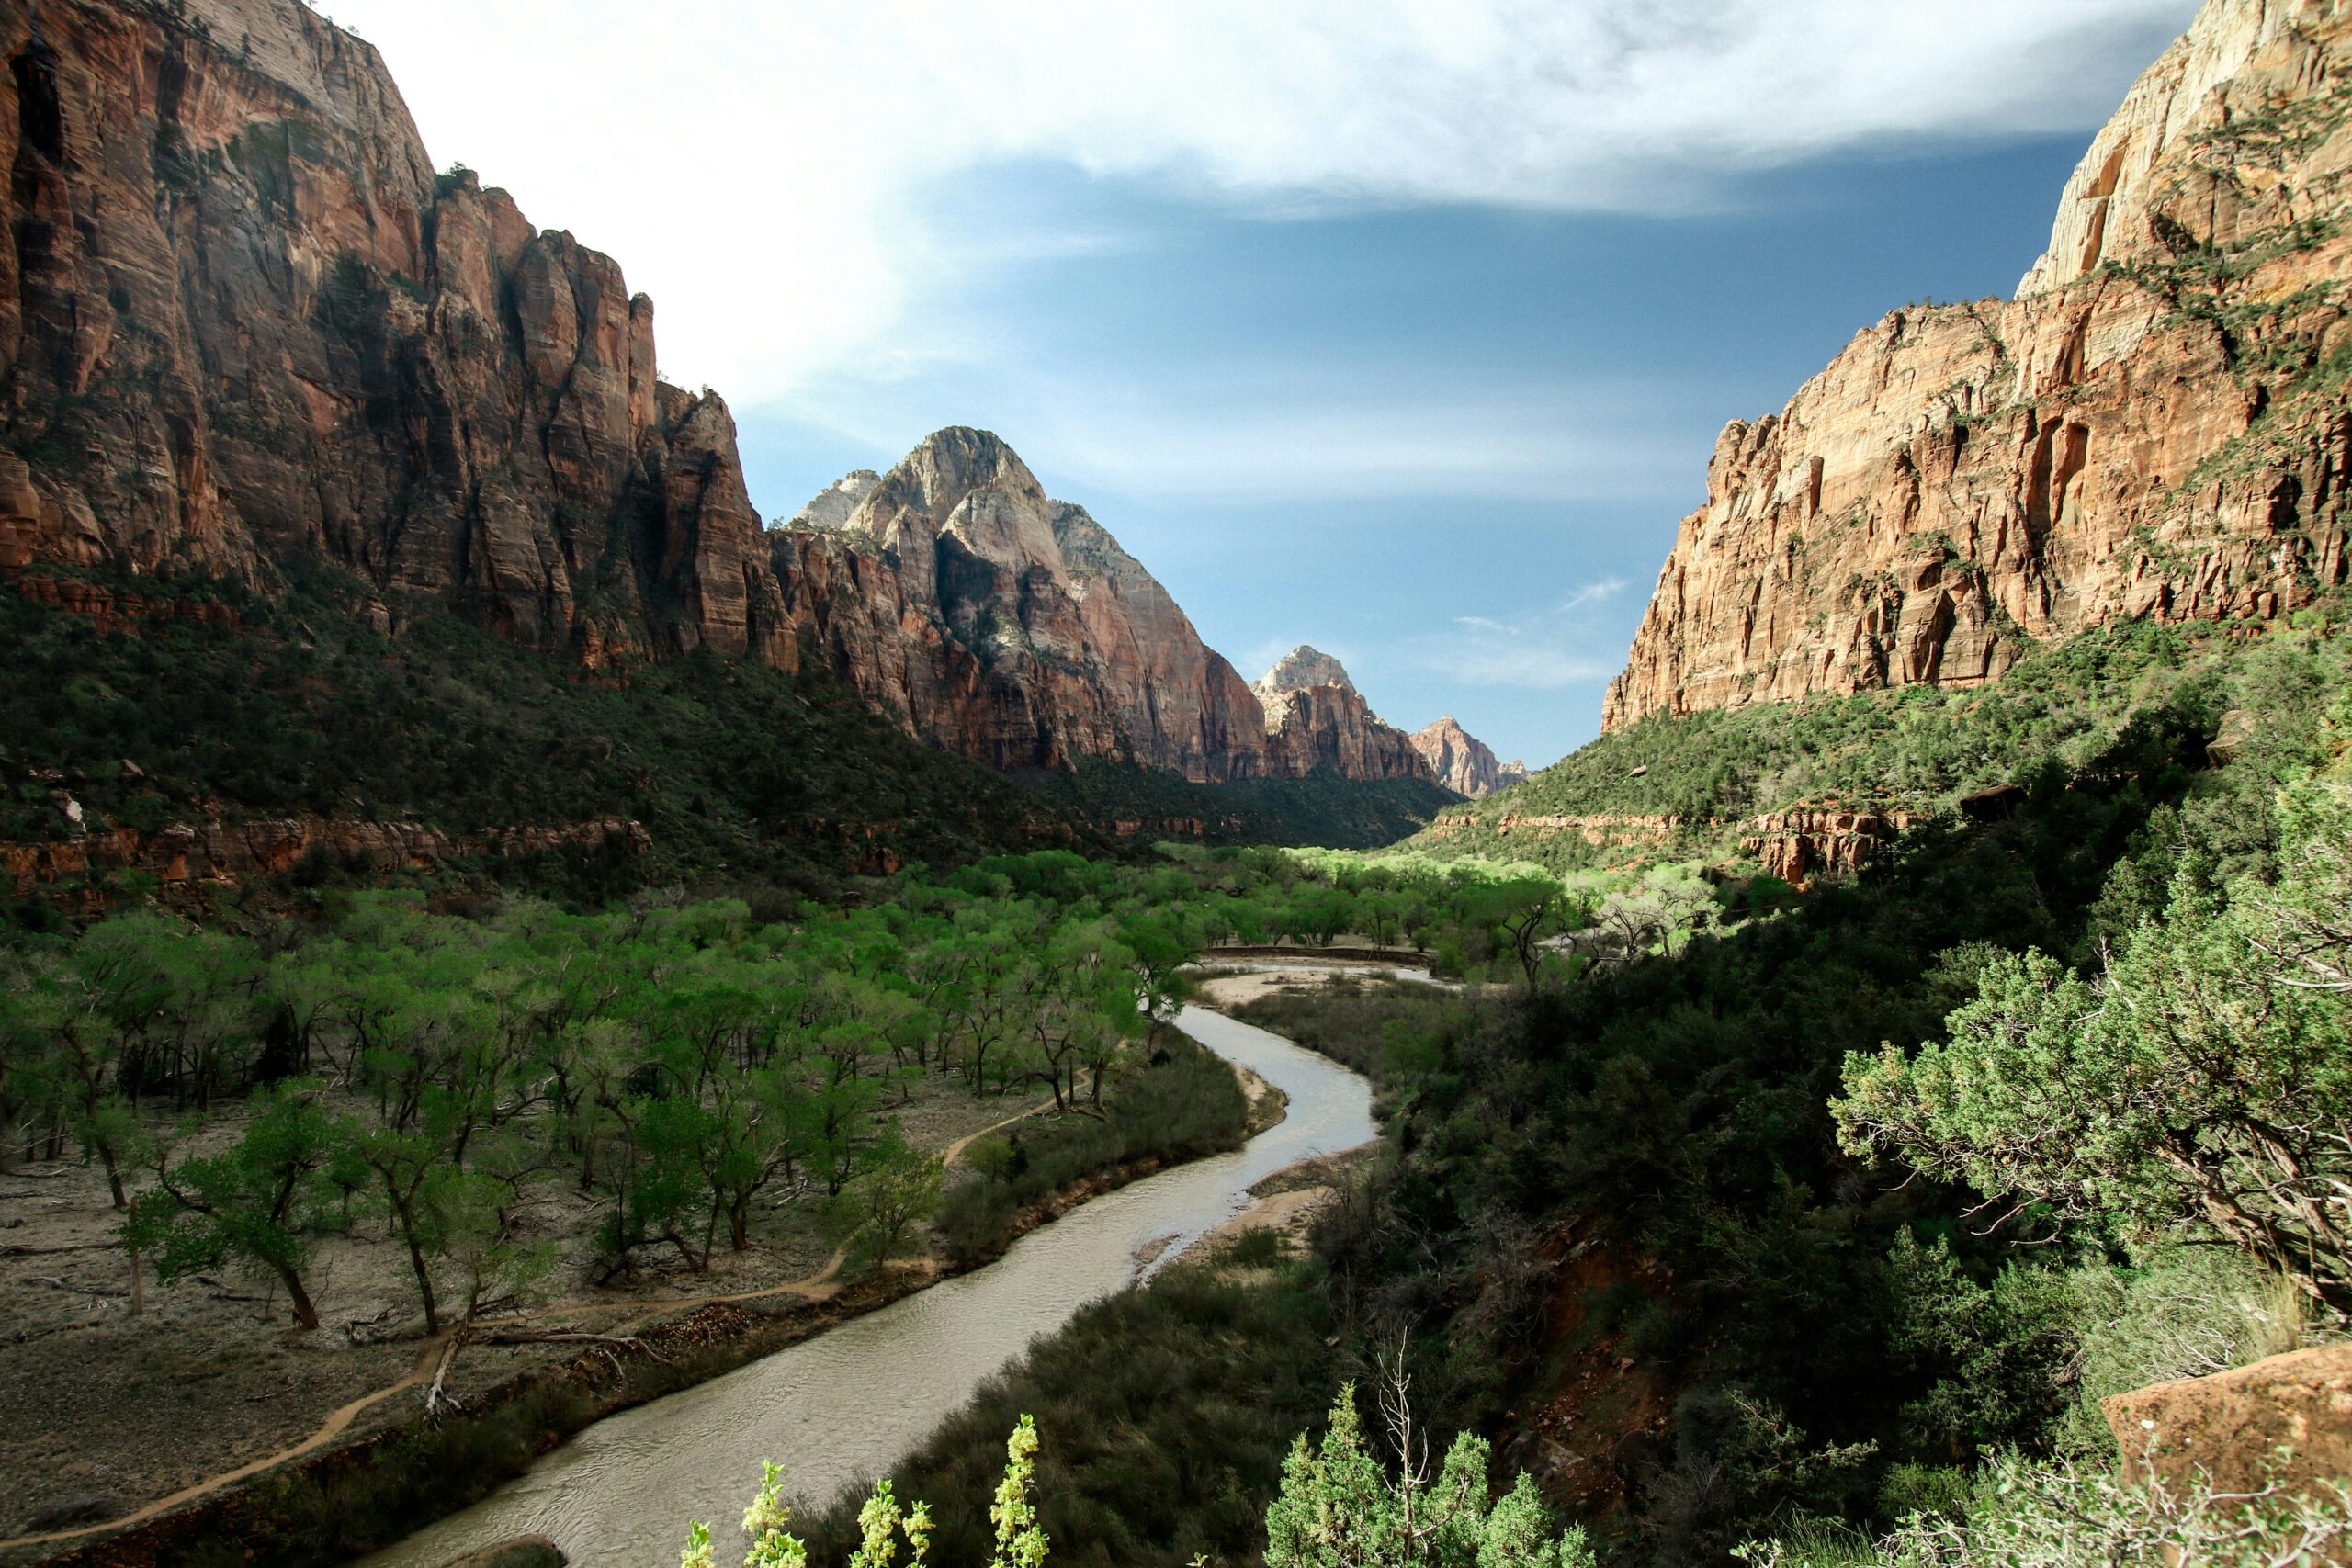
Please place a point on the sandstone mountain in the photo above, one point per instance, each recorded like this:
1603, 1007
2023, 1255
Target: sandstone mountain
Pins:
2157, 424
830, 507
1463, 763
1011, 626
1302, 669
1314, 719
243, 323
246, 328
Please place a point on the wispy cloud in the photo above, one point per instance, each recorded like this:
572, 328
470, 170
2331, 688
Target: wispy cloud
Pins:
1548, 650
762, 167
1330, 435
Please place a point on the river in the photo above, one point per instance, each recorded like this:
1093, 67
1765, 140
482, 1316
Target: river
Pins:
840, 1408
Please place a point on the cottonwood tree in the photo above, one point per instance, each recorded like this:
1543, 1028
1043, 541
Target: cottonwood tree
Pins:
899, 1189
249, 1202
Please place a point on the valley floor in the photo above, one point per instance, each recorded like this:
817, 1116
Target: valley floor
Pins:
117, 1410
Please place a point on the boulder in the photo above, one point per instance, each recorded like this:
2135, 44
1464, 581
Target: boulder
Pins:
2233, 1425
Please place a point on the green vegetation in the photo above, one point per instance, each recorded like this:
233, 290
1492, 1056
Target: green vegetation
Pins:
744, 779
682, 1064
1322, 809
1165, 1413
2058, 712
1338, 1507
1785, 1339
741, 776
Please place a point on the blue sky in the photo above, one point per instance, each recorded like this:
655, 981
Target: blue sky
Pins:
1401, 327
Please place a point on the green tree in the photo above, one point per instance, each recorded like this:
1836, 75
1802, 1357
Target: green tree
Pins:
1340, 1509
248, 1203
2203, 1080
898, 1189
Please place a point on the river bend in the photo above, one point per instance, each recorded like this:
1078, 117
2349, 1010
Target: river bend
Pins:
841, 1408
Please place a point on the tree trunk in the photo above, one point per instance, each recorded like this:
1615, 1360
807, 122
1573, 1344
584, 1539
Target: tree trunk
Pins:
401, 1213
305, 1315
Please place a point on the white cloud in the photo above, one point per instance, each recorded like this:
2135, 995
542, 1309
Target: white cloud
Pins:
760, 167
1544, 651
1096, 435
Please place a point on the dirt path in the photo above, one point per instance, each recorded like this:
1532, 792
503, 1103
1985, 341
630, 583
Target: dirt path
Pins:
329, 1430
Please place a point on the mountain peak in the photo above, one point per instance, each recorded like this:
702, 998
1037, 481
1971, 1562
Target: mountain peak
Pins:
1463, 763
830, 507
1299, 669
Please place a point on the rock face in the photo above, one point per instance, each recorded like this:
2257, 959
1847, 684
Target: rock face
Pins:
2232, 1424
1805, 840
1009, 625
1463, 763
244, 326
1301, 669
243, 322
2158, 424
830, 507
219, 853
1316, 719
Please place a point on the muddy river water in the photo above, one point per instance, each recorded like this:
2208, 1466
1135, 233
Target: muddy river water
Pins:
842, 1407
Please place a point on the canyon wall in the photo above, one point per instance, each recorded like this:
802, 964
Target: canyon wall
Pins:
245, 327
243, 323
2157, 424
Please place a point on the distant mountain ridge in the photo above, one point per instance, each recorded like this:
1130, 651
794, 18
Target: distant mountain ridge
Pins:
1316, 718
2158, 424
1463, 763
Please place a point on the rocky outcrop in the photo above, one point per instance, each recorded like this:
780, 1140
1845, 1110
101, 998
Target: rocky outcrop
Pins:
1316, 721
211, 851
1463, 763
1301, 669
2284, 1422
831, 506
1805, 841
1009, 625
2159, 423
243, 323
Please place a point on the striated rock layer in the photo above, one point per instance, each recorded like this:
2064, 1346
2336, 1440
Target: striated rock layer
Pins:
211, 850
243, 323
2158, 424
1316, 719
244, 326
1010, 626
1463, 763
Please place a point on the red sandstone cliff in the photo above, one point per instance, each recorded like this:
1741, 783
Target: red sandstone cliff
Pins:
1463, 763
1009, 625
1316, 719
243, 321
244, 324
2158, 424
